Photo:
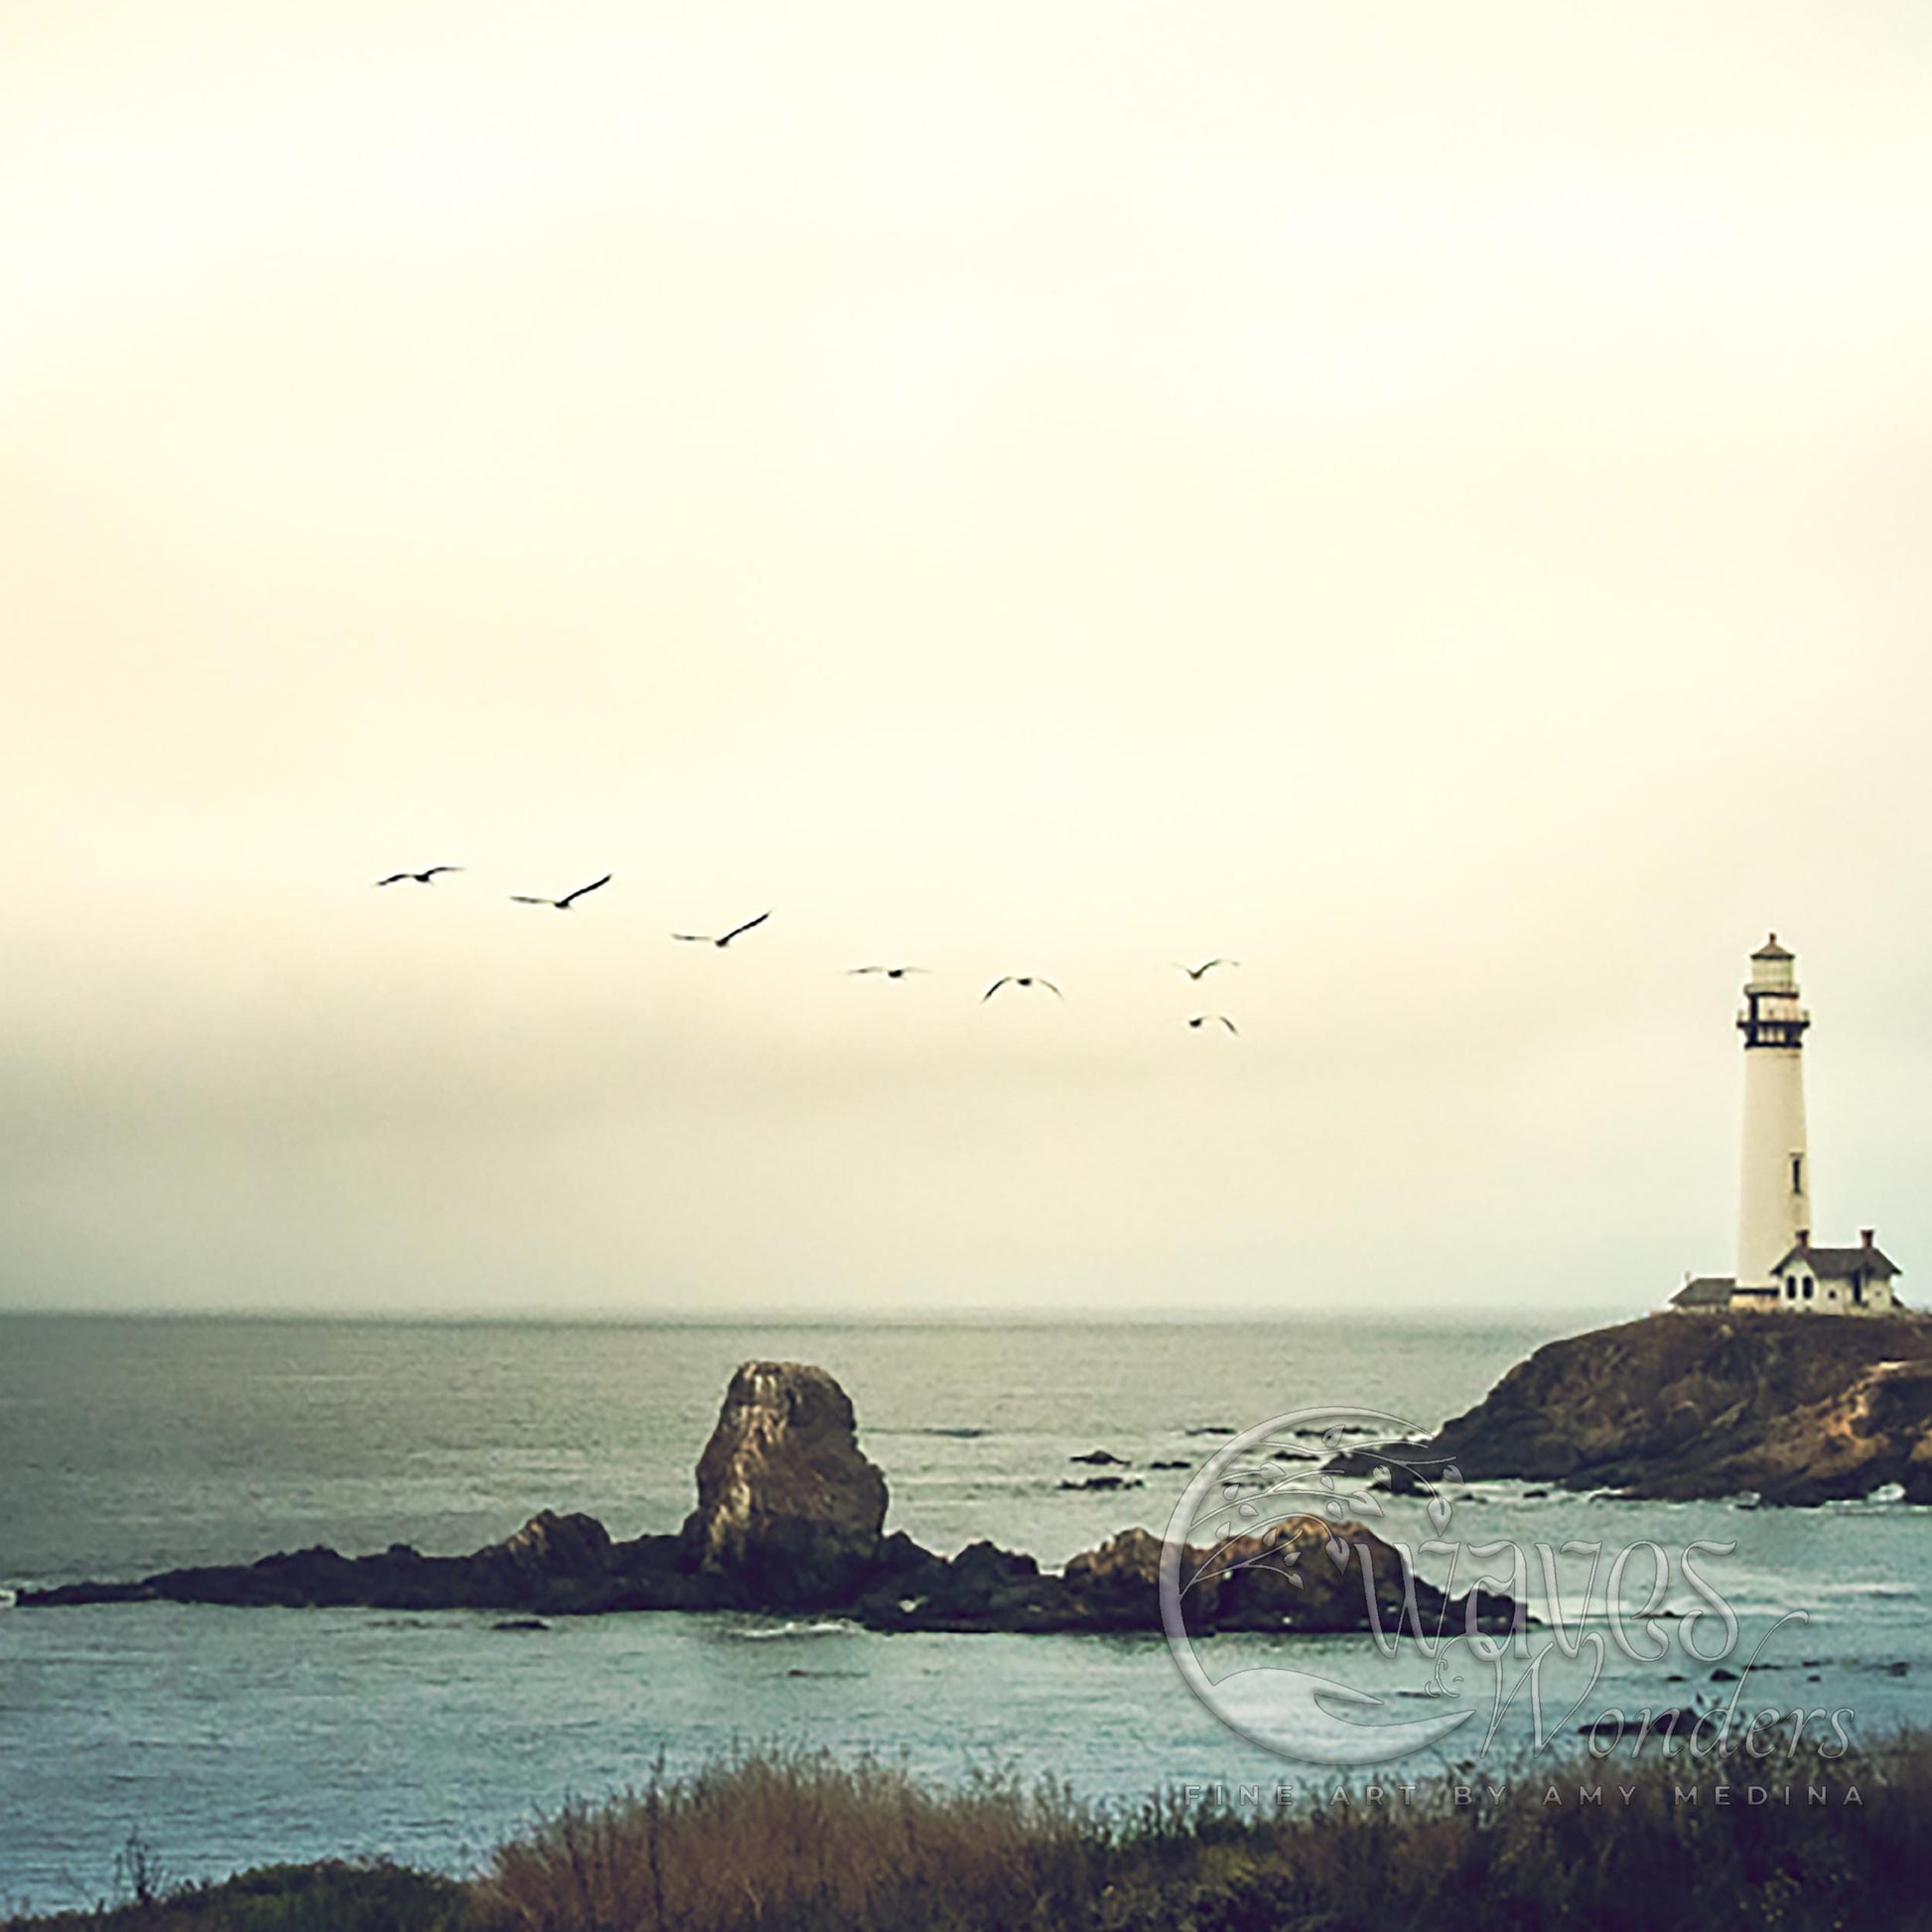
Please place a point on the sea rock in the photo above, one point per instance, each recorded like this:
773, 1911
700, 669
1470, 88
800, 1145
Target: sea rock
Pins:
1302, 1575
791, 1516
1798, 1409
553, 1546
1679, 1726
553, 1562
790, 1511
1130, 1561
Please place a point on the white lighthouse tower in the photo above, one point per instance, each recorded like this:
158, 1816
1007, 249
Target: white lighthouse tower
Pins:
1774, 1199
1782, 1270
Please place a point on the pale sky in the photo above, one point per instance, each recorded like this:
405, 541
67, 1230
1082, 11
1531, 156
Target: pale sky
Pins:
1430, 502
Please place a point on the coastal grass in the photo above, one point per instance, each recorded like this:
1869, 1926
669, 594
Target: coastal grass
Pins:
801, 1843
330, 1896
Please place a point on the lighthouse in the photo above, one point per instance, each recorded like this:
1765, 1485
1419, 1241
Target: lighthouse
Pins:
1774, 1196
1781, 1269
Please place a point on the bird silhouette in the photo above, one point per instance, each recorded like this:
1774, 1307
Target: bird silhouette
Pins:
421, 878
1201, 1019
1198, 971
1021, 979
890, 972
562, 904
725, 938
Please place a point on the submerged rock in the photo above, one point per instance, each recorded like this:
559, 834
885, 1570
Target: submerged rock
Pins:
1681, 1726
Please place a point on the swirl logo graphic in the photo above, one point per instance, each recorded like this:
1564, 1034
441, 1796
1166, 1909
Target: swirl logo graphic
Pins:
1266, 1538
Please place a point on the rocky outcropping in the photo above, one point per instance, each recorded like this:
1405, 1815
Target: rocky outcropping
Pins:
1303, 1575
791, 1516
553, 1546
554, 1563
1797, 1409
790, 1511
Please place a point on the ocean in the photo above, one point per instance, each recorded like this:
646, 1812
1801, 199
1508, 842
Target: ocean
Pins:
235, 1737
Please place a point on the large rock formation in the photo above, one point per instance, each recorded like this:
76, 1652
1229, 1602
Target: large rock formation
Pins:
789, 1516
790, 1511
1799, 1408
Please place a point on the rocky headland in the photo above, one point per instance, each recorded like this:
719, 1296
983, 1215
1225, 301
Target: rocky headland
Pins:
1796, 1410
790, 1517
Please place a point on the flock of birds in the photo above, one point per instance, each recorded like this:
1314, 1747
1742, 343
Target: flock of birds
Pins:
1026, 982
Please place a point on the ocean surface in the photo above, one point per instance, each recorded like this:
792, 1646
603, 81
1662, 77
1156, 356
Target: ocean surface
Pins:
231, 1738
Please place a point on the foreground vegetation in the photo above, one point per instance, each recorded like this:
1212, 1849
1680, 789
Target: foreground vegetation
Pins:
793, 1844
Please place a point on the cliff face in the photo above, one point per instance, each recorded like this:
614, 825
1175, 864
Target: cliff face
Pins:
1802, 1408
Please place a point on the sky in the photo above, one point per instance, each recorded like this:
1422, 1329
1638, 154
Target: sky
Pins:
1429, 502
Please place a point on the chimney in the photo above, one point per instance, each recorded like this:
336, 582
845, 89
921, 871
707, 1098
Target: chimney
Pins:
1804, 1237
1865, 1235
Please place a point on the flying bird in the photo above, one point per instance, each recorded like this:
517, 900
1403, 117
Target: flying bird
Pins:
1021, 979
562, 904
421, 878
890, 972
1199, 972
724, 939
1201, 1019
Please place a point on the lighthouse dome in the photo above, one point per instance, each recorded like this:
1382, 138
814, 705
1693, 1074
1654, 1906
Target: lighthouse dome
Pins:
1773, 968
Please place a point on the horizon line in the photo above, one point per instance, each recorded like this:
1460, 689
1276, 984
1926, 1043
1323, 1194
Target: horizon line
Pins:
963, 1314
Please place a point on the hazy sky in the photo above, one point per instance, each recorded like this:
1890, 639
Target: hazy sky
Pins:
1430, 500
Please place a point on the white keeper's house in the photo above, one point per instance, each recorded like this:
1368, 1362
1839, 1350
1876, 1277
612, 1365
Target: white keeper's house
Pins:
1779, 1269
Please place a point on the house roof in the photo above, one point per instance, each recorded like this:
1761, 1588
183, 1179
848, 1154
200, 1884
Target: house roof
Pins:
1707, 1291
1841, 1264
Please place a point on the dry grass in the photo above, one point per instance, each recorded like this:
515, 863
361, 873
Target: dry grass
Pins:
803, 1844
791, 1839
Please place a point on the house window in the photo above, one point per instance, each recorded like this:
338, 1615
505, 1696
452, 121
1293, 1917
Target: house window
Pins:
1858, 1293
1807, 1291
